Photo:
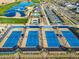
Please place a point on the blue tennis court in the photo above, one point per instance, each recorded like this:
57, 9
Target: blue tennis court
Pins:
52, 39
13, 39
33, 39
71, 38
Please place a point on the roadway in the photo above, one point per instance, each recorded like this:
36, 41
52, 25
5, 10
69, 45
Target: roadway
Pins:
53, 18
67, 14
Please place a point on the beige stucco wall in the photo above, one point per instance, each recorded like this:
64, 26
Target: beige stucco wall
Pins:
7, 1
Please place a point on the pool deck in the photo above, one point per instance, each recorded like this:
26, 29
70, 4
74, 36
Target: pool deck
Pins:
62, 39
44, 38
65, 29
25, 38
20, 40
45, 45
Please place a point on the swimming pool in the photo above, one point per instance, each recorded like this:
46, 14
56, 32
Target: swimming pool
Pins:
10, 13
12, 39
20, 8
33, 39
52, 39
71, 38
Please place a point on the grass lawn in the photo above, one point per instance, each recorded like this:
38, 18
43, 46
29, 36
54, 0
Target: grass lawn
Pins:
36, 1
72, 0
13, 20
7, 7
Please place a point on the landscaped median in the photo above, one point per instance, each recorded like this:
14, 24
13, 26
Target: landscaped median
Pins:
13, 20
36, 1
